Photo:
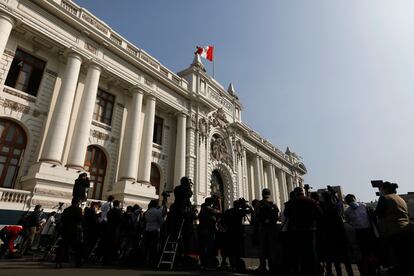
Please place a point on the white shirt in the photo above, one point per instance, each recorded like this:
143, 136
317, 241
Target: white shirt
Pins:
104, 211
358, 217
49, 227
153, 219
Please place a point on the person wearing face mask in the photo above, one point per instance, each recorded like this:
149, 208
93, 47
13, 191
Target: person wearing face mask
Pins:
358, 216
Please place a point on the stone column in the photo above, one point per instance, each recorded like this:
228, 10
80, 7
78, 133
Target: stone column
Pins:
6, 25
82, 129
245, 193
275, 186
179, 170
269, 179
59, 123
289, 180
283, 189
251, 176
257, 177
146, 144
130, 148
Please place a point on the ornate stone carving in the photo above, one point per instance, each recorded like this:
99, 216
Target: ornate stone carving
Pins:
90, 48
203, 127
99, 135
218, 98
20, 95
16, 106
94, 23
219, 119
219, 150
104, 126
239, 149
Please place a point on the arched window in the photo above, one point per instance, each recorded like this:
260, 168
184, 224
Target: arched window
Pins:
155, 178
95, 164
12, 145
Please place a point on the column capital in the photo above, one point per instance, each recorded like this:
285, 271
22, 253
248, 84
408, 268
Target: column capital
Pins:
94, 65
9, 18
150, 97
72, 54
181, 114
136, 89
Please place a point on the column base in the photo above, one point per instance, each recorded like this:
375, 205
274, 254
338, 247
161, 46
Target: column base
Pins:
130, 192
50, 184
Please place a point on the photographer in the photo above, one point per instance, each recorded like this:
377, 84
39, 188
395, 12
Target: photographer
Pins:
182, 212
393, 221
267, 215
233, 221
71, 232
207, 233
80, 188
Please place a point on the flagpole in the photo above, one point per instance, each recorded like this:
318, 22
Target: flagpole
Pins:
213, 63
213, 68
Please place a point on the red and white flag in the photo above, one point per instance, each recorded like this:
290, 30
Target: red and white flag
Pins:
205, 52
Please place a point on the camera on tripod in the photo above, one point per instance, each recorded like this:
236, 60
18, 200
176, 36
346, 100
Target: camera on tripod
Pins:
243, 206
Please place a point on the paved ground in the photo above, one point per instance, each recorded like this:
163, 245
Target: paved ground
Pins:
20, 267
30, 268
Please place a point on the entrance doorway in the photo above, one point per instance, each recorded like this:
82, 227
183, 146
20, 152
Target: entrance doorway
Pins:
12, 145
95, 164
155, 178
217, 187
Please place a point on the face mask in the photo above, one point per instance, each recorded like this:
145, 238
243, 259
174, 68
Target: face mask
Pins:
353, 205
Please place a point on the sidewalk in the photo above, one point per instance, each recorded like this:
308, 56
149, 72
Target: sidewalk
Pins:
21, 267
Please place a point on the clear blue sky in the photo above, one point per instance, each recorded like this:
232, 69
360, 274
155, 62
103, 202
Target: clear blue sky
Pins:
334, 80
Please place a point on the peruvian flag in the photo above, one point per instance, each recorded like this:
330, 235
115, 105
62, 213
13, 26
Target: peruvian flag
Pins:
205, 52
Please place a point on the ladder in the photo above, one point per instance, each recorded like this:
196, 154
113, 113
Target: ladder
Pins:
93, 255
170, 248
51, 254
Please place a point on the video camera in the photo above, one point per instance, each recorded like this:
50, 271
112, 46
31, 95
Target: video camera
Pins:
376, 183
392, 187
243, 206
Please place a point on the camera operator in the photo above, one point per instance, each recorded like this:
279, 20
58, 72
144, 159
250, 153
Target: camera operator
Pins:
267, 215
207, 233
233, 220
70, 229
182, 212
333, 243
113, 232
393, 221
80, 188
301, 214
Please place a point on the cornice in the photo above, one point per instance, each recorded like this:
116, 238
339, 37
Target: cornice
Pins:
125, 50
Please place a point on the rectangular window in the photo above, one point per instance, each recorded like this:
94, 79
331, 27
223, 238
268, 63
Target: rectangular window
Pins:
104, 106
158, 124
25, 72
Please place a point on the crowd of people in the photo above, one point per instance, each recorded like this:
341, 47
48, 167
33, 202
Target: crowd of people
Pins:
311, 234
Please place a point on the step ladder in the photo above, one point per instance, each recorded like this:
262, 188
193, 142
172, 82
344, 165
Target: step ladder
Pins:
170, 248
94, 257
51, 254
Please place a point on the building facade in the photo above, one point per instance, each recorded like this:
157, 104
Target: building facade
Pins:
76, 96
